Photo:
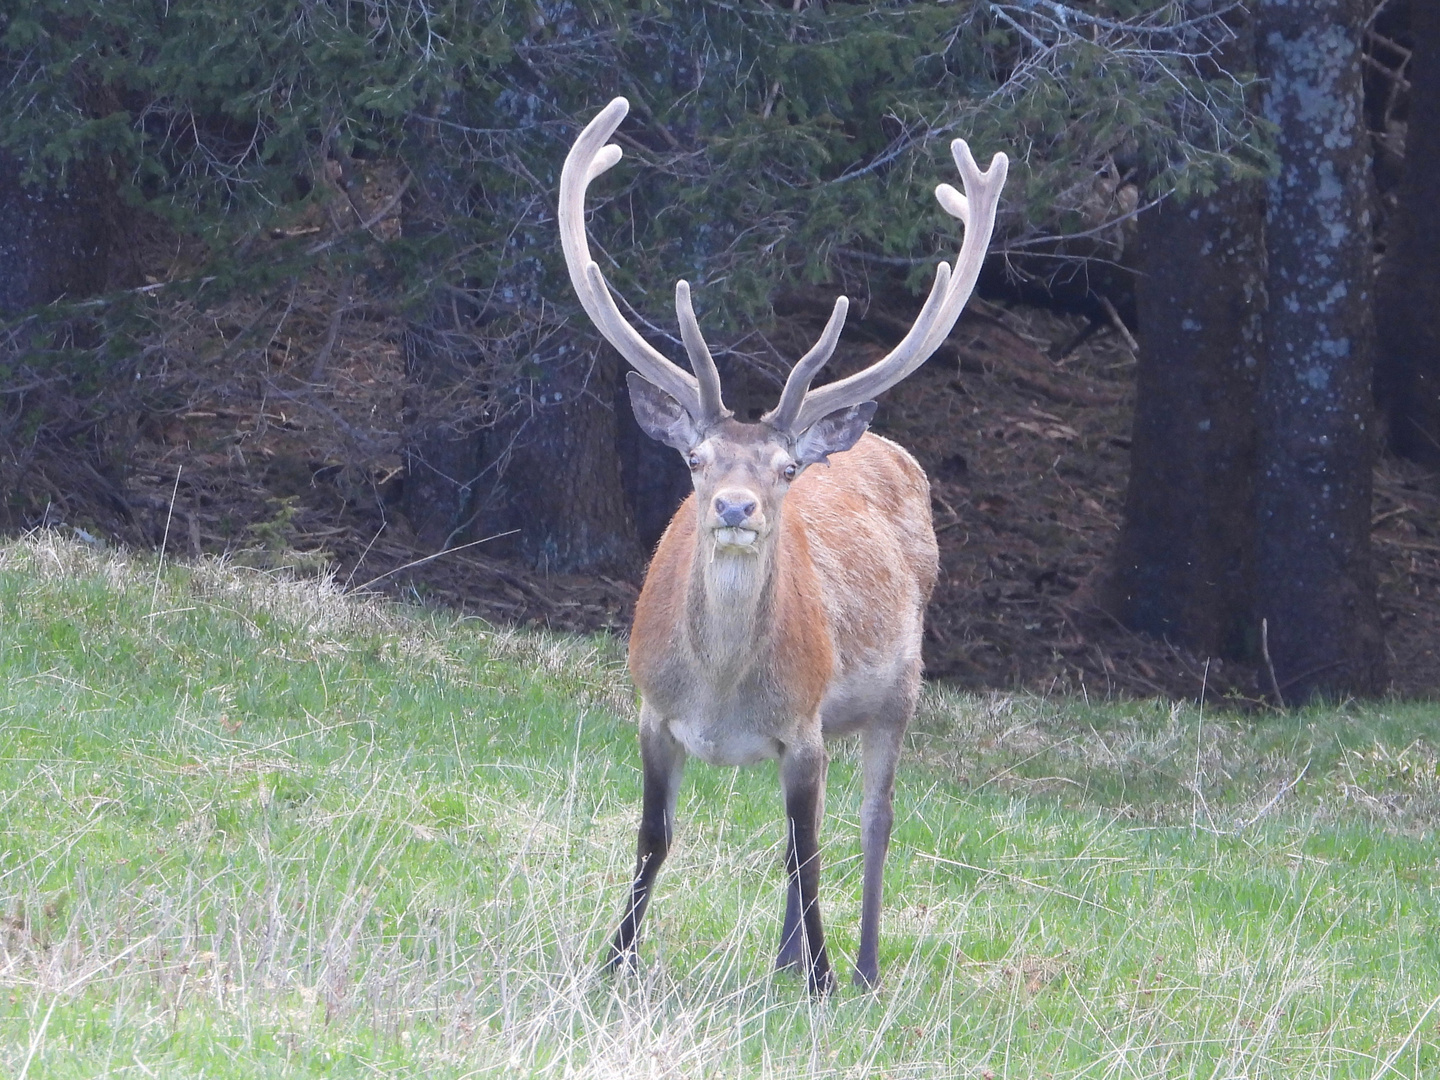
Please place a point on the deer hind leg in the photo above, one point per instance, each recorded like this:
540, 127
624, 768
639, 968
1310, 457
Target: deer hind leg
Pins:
663, 763
802, 940
879, 752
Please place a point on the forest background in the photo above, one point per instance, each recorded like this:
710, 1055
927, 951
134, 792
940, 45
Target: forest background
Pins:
281, 280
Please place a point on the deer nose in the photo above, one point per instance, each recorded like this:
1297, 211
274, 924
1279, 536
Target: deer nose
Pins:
733, 511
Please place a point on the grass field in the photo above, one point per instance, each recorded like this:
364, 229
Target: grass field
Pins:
250, 826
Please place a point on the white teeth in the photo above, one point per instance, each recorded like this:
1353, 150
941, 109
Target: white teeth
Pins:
735, 537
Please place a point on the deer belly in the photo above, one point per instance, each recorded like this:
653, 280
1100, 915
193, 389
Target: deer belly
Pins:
871, 691
721, 741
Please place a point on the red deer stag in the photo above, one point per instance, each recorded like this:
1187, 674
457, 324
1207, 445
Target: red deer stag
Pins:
784, 604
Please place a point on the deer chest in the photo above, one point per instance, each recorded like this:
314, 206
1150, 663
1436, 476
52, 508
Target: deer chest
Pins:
719, 743
740, 727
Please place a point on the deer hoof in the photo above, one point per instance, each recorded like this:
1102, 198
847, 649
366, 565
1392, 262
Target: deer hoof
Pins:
866, 978
822, 982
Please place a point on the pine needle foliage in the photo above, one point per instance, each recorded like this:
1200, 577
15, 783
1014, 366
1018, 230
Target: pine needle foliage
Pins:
768, 137
768, 143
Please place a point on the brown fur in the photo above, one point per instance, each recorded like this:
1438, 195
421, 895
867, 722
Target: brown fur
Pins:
855, 563
762, 651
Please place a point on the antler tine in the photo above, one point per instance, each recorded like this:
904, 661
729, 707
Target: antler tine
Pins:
976, 210
806, 368
712, 405
588, 158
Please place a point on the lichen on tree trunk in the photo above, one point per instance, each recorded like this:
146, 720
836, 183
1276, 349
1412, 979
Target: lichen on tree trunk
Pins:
1315, 582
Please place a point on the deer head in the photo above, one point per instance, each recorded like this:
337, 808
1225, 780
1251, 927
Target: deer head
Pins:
741, 471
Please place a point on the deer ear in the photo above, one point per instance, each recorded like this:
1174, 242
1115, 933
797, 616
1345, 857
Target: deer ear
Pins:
659, 415
831, 434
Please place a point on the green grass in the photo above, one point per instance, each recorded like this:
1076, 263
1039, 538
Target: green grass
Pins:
252, 827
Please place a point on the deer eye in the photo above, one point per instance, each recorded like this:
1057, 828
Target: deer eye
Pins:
693, 460
790, 471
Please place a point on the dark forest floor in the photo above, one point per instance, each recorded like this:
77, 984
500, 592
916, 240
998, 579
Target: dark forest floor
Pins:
1022, 422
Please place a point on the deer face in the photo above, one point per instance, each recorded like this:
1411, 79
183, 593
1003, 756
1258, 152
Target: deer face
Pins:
741, 472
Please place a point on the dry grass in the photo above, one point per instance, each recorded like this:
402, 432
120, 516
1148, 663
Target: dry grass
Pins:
257, 827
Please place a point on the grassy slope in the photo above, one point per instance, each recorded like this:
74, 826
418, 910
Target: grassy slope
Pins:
252, 827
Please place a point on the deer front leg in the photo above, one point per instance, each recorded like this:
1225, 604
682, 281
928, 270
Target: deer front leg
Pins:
663, 763
792, 942
802, 777
791, 955
879, 752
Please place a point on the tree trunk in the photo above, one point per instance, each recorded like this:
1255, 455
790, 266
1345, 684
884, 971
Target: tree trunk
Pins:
545, 478
442, 441
1408, 292
1315, 583
442, 451
557, 469
1184, 561
52, 243
1184, 567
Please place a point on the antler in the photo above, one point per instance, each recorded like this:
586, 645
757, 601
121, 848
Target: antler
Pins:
800, 406
699, 394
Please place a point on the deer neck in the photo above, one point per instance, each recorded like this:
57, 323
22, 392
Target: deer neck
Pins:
730, 612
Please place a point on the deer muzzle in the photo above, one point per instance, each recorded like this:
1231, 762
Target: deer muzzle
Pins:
735, 519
